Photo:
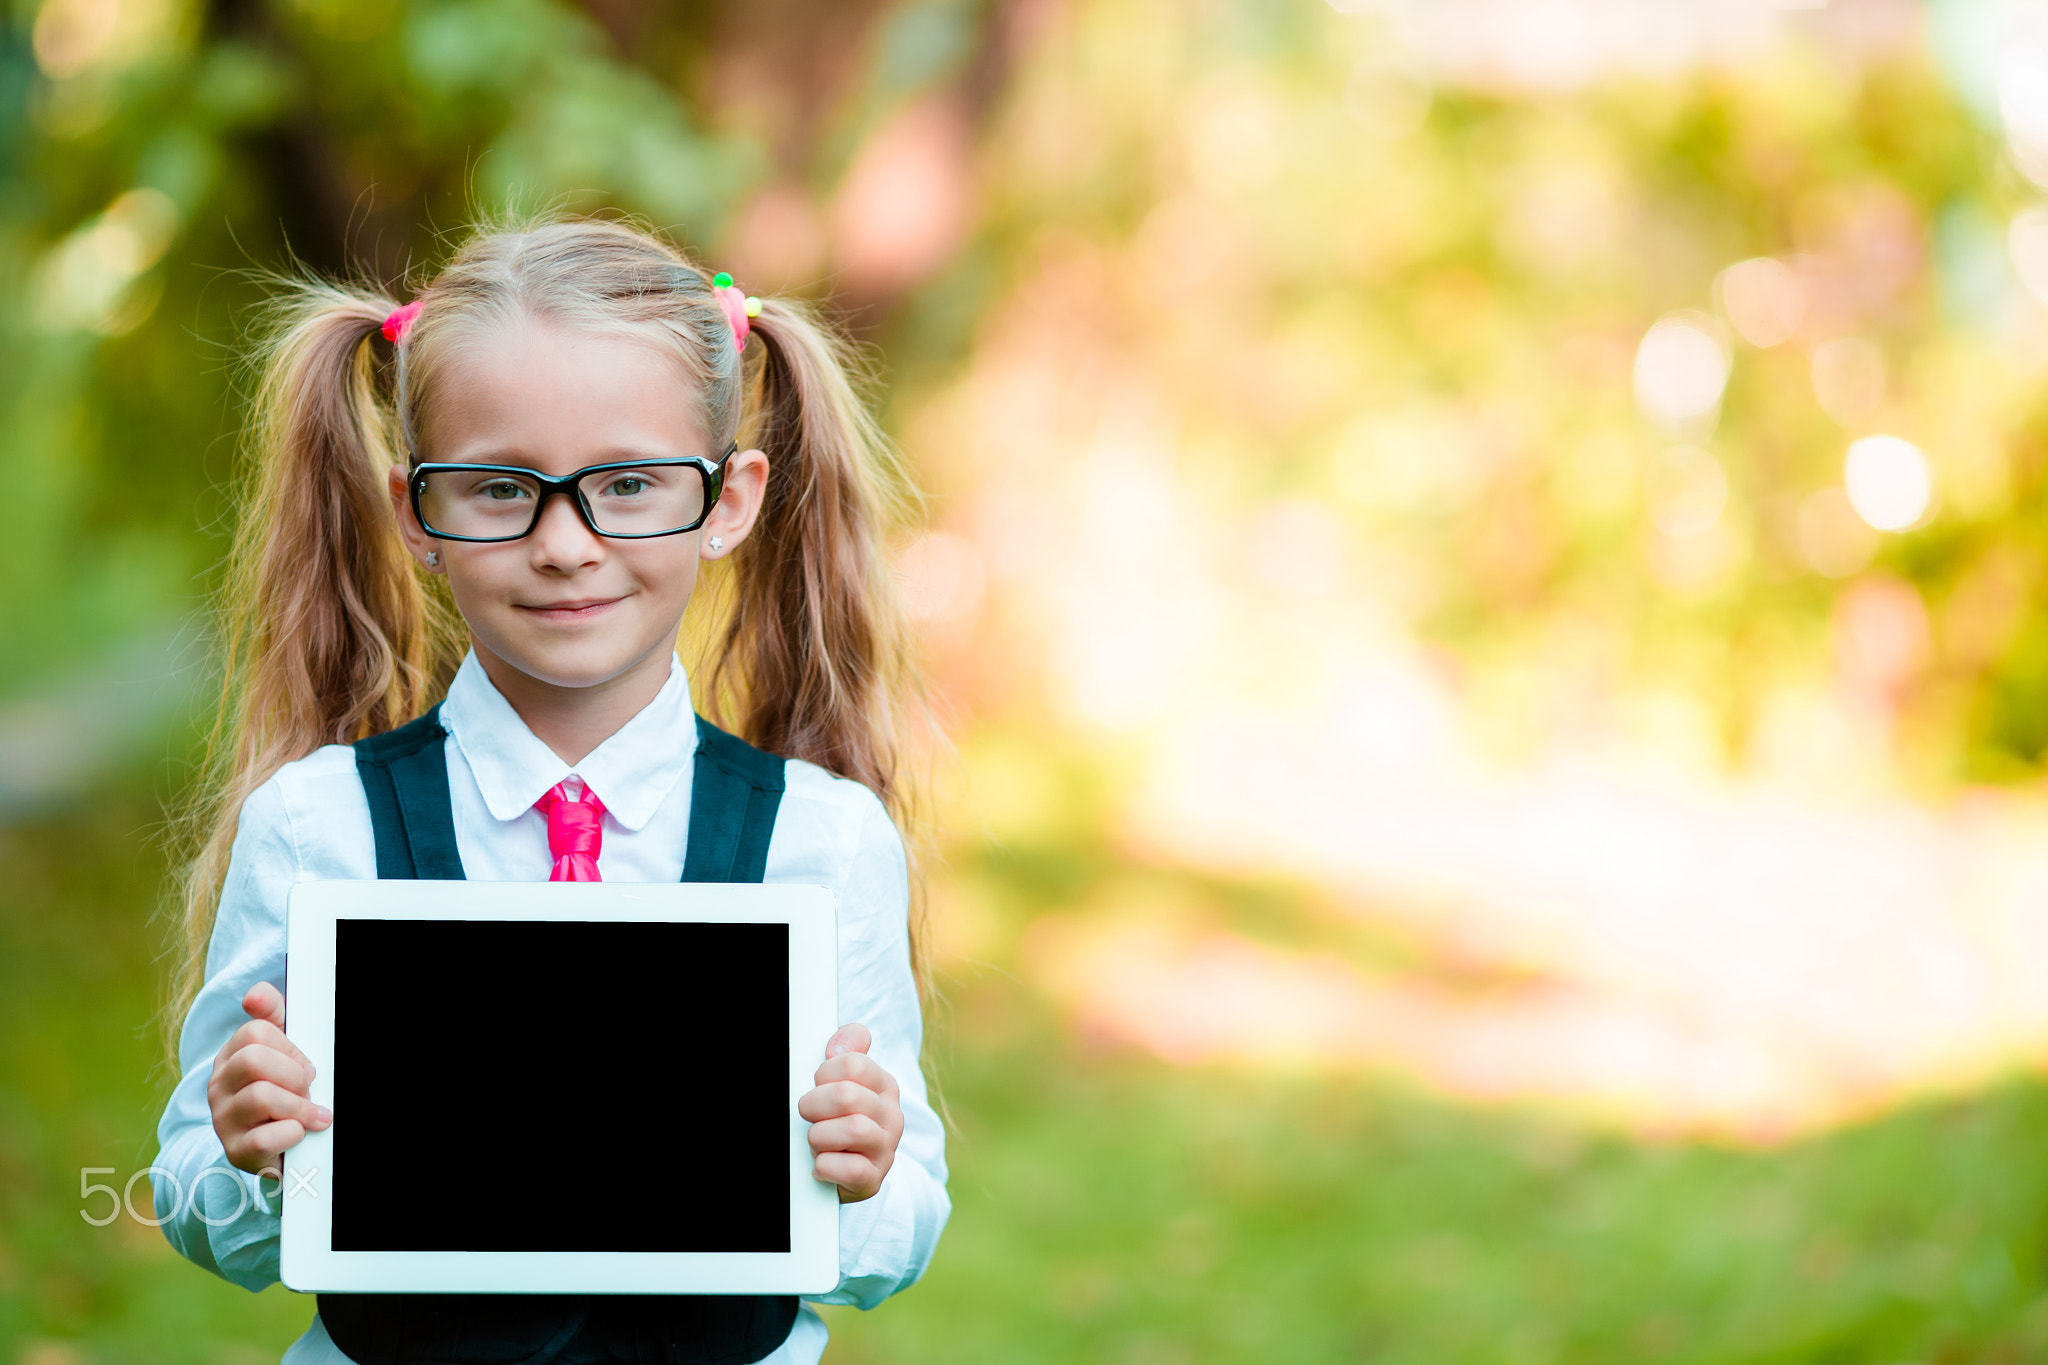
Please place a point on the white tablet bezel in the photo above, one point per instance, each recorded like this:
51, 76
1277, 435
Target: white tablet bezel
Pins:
308, 1262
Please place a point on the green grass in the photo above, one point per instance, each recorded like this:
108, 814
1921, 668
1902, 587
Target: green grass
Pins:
1111, 1209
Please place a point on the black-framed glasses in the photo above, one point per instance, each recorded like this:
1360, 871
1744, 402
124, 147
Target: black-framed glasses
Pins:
625, 500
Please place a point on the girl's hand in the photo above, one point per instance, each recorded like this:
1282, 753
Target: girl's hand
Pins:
856, 1118
259, 1091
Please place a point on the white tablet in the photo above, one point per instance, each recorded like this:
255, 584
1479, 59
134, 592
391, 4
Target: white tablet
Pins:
560, 1087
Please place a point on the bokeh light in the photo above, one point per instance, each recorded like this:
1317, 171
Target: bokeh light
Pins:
2023, 94
86, 280
1763, 300
1888, 482
2029, 239
1681, 368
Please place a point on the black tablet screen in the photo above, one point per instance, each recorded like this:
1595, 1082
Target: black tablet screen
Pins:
560, 1086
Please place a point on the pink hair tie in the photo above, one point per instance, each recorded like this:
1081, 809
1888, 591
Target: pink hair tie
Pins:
401, 320
740, 309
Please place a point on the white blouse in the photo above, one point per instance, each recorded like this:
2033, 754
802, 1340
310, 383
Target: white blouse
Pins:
311, 822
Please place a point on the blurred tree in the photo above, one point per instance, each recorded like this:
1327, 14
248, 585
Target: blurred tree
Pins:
155, 154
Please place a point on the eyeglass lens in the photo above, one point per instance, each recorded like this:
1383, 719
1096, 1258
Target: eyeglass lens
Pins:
493, 504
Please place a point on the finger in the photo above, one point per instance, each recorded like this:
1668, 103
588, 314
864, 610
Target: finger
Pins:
263, 1033
259, 1063
841, 1098
264, 1001
854, 1133
859, 1068
262, 1146
856, 1176
263, 1102
850, 1038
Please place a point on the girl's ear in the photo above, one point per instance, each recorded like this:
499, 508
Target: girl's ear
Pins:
417, 541
739, 506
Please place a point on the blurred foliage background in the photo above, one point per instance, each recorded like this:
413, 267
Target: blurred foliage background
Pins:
1484, 565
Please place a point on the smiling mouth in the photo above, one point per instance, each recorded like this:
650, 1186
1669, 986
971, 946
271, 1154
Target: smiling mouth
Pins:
581, 610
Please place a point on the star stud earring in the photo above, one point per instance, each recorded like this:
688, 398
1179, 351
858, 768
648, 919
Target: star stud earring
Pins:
433, 559
718, 545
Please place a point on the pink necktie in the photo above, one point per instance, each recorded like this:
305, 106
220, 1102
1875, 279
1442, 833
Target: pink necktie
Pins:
575, 833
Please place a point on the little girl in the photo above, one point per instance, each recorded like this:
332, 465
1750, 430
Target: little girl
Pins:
572, 429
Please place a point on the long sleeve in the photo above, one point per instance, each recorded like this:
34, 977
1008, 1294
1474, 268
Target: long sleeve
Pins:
215, 1215
886, 1242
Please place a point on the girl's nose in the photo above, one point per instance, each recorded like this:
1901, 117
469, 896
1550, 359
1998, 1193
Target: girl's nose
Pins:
561, 540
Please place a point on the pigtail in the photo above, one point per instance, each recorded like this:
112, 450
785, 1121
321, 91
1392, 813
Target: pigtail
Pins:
326, 633
815, 654
815, 643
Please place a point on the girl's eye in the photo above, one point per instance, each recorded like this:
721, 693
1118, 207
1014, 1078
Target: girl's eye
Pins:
502, 490
627, 485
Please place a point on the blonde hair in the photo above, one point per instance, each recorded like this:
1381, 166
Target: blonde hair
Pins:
330, 633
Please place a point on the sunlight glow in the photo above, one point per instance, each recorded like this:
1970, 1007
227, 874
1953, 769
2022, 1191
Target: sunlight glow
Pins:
1357, 519
1670, 950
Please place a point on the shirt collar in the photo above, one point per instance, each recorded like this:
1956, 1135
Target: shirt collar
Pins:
632, 772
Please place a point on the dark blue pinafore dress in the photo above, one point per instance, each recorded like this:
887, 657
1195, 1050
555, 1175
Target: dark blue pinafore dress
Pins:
734, 796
